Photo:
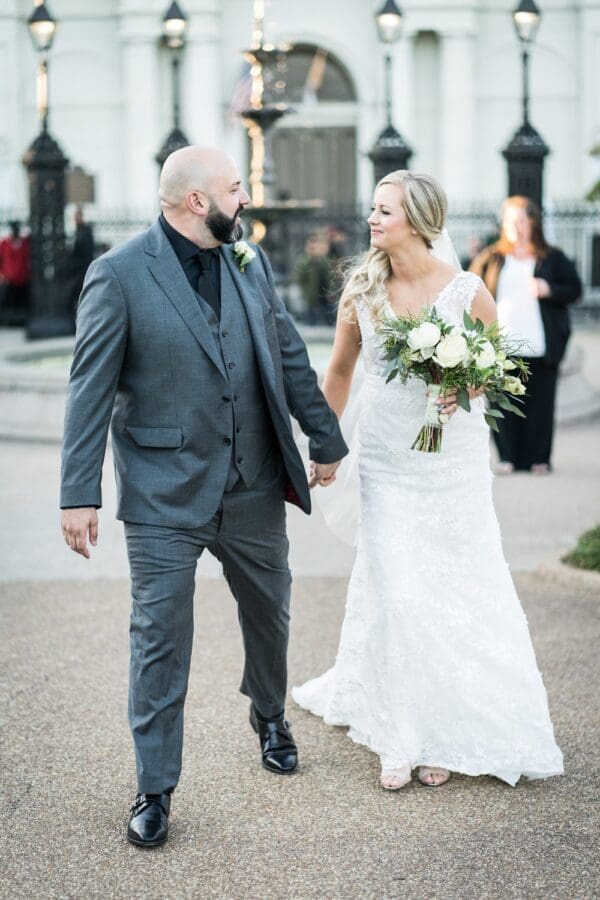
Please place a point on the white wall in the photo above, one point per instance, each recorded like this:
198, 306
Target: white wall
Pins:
110, 87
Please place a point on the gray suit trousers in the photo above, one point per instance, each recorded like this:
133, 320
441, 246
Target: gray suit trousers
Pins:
247, 534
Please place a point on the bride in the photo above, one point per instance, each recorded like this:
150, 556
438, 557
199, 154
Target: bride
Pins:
435, 669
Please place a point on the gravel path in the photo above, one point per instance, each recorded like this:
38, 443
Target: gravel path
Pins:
239, 832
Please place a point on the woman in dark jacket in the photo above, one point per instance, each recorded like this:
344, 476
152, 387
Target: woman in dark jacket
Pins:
533, 284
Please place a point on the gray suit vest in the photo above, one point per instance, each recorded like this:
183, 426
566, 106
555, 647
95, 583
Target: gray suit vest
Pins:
251, 431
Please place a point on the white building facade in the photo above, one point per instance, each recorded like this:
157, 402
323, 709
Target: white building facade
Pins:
456, 90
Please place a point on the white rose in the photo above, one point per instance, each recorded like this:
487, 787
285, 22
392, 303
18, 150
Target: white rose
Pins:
425, 335
508, 364
452, 350
486, 356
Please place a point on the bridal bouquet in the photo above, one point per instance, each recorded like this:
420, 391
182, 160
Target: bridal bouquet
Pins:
450, 360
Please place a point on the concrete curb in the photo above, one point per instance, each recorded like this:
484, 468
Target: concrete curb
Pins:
556, 570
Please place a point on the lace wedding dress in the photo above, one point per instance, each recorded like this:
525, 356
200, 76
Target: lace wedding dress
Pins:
435, 664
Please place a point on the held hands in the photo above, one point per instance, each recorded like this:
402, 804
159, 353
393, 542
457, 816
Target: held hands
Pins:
322, 473
76, 524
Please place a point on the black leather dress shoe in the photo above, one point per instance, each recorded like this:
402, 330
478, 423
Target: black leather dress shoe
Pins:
148, 823
279, 751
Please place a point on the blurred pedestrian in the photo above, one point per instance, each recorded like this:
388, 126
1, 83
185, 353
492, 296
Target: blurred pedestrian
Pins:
533, 284
81, 255
313, 275
15, 276
338, 243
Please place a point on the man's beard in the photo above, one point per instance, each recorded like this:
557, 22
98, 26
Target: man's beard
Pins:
222, 228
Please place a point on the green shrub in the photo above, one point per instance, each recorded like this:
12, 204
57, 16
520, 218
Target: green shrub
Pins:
586, 554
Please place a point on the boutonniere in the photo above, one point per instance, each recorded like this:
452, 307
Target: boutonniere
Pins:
243, 253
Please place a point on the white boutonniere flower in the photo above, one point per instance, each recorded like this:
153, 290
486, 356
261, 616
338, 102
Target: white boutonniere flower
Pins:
243, 253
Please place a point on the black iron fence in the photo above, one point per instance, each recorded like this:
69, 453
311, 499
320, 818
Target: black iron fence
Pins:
574, 227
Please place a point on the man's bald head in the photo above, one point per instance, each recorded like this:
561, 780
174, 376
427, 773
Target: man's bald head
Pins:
193, 168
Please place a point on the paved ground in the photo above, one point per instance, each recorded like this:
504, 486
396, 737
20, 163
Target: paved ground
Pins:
238, 832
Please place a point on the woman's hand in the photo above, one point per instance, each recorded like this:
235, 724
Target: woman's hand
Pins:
447, 403
541, 288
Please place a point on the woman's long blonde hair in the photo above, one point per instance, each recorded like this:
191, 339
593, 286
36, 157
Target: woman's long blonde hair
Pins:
366, 276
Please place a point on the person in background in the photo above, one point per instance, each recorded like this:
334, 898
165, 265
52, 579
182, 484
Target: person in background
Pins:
338, 243
313, 276
15, 276
81, 255
533, 285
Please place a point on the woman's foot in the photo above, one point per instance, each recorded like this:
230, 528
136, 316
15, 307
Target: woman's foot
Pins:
394, 779
504, 468
432, 777
540, 469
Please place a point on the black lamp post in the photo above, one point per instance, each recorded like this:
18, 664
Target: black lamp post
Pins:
390, 150
45, 162
174, 25
527, 150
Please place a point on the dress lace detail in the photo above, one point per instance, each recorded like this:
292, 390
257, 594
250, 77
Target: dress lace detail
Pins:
435, 665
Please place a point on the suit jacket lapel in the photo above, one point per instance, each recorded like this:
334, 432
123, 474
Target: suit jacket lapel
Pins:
168, 273
245, 285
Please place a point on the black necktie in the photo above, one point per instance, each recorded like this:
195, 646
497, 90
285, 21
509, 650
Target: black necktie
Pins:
208, 279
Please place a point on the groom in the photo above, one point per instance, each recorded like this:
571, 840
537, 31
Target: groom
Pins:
182, 340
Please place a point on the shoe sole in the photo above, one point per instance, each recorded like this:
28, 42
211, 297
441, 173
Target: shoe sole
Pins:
148, 845
279, 771
264, 765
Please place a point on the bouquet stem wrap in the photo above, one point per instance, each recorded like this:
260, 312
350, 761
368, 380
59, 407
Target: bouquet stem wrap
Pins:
429, 438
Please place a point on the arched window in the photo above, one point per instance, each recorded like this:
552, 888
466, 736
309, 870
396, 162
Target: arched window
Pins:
314, 73
315, 159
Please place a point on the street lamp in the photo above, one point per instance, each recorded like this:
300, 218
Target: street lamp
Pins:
527, 150
45, 162
174, 25
42, 28
390, 150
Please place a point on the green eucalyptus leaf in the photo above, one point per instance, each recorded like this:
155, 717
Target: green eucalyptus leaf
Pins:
462, 398
468, 321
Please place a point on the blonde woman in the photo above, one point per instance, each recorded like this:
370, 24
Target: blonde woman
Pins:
435, 669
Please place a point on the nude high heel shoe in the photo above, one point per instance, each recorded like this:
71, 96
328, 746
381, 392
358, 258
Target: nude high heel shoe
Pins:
432, 777
394, 779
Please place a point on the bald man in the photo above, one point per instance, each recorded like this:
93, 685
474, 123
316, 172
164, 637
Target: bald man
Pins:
185, 349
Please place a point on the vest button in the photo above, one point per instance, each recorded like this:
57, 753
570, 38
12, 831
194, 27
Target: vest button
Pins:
227, 441
238, 429
235, 397
224, 334
231, 365
240, 459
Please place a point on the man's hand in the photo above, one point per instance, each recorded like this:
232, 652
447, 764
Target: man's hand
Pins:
322, 473
76, 524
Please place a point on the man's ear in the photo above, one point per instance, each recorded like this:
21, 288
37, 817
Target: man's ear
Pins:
198, 203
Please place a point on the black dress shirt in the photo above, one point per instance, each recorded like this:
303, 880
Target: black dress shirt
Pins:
202, 268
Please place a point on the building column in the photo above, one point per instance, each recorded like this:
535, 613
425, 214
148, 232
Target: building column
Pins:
590, 97
403, 90
139, 36
457, 99
17, 66
202, 100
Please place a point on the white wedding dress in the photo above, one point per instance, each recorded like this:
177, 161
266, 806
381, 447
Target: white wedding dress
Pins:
435, 664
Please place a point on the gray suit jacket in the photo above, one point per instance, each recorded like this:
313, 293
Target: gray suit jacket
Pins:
145, 355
